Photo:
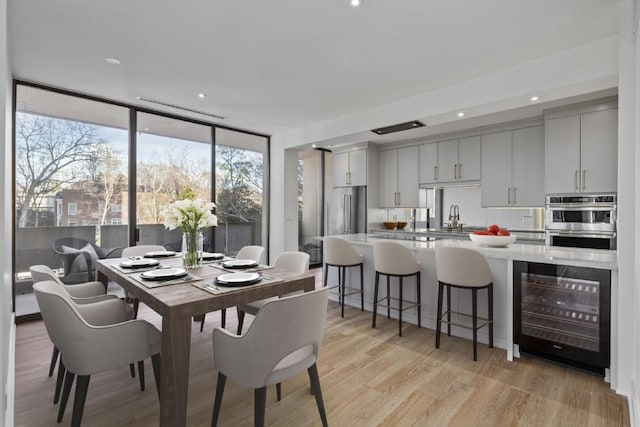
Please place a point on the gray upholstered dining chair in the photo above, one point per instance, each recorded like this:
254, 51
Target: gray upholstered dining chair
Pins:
80, 293
296, 262
139, 250
253, 252
283, 341
91, 343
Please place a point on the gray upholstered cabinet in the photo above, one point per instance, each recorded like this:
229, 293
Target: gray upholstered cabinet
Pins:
399, 177
513, 168
581, 152
350, 168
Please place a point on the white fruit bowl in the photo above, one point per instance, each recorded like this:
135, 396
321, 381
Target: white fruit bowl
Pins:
494, 241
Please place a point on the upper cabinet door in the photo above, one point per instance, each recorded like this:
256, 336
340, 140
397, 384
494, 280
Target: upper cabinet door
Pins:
527, 167
388, 178
428, 163
562, 154
358, 167
496, 169
340, 169
469, 159
599, 151
447, 161
408, 177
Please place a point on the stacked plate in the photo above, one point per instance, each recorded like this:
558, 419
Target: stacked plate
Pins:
240, 263
211, 256
159, 254
164, 274
139, 263
238, 279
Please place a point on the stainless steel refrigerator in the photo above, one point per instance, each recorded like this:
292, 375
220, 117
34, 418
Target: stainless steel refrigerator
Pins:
348, 211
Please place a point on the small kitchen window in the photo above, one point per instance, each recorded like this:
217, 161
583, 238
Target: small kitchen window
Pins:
72, 209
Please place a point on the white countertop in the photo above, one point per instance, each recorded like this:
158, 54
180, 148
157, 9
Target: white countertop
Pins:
594, 258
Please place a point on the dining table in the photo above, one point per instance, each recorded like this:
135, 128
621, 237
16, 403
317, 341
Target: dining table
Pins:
177, 301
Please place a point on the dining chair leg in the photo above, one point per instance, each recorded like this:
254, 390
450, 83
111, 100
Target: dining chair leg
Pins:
439, 315
156, 362
343, 286
474, 320
66, 390
141, 374
54, 359
260, 406
59, 381
361, 286
419, 301
279, 392
490, 316
136, 306
240, 320
202, 322
315, 386
217, 403
449, 310
375, 300
325, 275
388, 297
223, 317
400, 308
82, 385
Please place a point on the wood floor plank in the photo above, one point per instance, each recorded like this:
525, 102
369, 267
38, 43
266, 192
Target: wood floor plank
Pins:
368, 377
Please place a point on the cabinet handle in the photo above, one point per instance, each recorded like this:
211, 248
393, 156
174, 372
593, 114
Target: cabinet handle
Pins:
398, 198
508, 195
584, 179
349, 178
346, 177
459, 170
455, 171
514, 195
575, 180
435, 173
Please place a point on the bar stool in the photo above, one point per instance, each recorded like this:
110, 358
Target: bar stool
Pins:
464, 269
394, 259
339, 253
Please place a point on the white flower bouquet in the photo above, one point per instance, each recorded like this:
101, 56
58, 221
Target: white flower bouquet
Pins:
191, 216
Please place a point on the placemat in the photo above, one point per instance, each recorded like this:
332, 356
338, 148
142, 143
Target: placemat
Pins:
137, 270
217, 289
158, 283
218, 265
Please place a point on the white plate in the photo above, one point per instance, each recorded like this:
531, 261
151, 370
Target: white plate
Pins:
494, 241
138, 263
159, 254
165, 273
237, 279
212, 255
239, 263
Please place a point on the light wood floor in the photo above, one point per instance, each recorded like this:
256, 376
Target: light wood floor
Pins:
368, 377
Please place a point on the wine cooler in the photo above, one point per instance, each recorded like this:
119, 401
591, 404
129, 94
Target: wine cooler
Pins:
563, 313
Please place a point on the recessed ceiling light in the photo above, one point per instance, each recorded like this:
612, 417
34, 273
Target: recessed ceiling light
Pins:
146, 129
355, 3
534, 98
461, 114
202, 95
112, 60
313, 145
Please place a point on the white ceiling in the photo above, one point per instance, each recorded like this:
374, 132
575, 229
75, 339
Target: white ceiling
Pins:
271, 66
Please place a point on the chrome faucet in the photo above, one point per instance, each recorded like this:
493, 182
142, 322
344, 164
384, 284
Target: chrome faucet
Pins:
454, 215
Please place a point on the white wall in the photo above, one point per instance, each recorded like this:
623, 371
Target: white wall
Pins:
6, 235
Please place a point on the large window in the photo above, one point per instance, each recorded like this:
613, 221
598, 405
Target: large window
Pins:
73, 189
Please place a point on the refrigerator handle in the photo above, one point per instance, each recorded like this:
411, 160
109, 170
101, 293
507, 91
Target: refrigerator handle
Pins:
350, 230
345, 215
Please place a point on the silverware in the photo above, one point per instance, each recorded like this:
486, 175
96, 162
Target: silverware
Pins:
212, 286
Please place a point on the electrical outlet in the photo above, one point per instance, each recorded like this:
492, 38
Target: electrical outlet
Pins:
527, 219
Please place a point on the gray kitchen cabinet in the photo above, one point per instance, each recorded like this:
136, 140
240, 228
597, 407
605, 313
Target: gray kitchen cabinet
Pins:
350, 168
512, 165
581, 152
399, 178
428, 163
459, 160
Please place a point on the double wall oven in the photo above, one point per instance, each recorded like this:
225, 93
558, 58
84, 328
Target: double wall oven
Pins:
581, 221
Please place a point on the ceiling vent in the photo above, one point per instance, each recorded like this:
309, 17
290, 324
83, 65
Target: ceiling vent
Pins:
177, 107
399, 127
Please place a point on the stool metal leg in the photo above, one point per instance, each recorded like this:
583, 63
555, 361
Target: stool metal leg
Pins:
474, 314
375, 300
419, 300
343, 286
388, 297
340, 286
361, 286
449, 310
439, 315
326, 274
400, 310
490, 316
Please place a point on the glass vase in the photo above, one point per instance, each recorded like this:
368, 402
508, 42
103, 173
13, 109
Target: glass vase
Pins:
192, 244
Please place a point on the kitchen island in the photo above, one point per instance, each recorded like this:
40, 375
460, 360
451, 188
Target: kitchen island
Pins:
500, 261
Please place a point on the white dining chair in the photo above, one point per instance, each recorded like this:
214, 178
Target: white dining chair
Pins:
283, 341
90, 343
253, 252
